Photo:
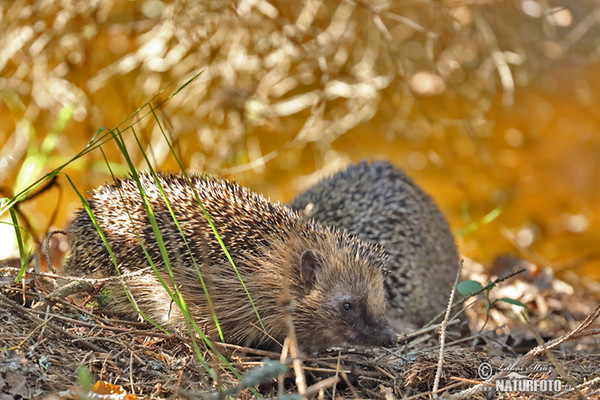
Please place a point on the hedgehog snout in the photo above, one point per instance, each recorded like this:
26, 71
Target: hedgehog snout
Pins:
389, 338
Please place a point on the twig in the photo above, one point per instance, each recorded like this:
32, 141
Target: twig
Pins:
42, 325
131, 385
293, 344
520, 363
325, 383
180, 376
350, 385
283, 359
337, 373
427, 394
329, 367
31, 315
118, 330
80, 279
407, 336
575, 333
583, 385
48, 259
265, 353
471, 381
65, 291
438, 373
559, 367
387, 392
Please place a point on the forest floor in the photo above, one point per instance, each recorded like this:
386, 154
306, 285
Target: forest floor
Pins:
46, 340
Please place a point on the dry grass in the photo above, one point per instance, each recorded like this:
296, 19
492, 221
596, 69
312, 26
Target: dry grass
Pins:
277, 77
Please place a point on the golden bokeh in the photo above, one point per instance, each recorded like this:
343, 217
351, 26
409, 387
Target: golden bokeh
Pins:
490, 105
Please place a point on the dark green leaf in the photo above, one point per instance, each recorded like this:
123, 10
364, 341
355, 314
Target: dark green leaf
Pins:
513, 301
468, 288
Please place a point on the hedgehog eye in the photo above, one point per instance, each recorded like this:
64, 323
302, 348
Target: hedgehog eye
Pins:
347, 306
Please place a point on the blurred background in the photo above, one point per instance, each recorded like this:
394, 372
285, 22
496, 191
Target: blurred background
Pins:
492, 106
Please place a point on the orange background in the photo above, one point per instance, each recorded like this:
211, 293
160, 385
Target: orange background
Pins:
426, 76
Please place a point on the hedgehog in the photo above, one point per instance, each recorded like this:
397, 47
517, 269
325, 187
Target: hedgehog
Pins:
380, 204
332, 280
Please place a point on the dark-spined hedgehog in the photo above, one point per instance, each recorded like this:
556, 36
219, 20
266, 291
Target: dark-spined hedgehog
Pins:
380, 204
333, 279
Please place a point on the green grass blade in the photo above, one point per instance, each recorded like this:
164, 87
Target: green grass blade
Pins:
113, 258
189, 250
212, 226
177, 298
473, 227
24, 257
176, 294
101, 137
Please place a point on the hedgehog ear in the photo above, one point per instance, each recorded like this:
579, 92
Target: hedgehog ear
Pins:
309, 263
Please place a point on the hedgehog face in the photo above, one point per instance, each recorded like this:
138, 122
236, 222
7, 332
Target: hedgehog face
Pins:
356, 324
345, 298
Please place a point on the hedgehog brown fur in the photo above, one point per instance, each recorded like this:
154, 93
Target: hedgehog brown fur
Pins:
380, 204
334, 280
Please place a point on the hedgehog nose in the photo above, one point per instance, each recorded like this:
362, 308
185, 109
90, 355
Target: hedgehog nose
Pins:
390, 338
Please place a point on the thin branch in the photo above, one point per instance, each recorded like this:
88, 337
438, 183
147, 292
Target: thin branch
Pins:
438, 373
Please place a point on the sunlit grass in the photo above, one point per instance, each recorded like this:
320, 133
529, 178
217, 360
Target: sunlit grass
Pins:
34, 165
